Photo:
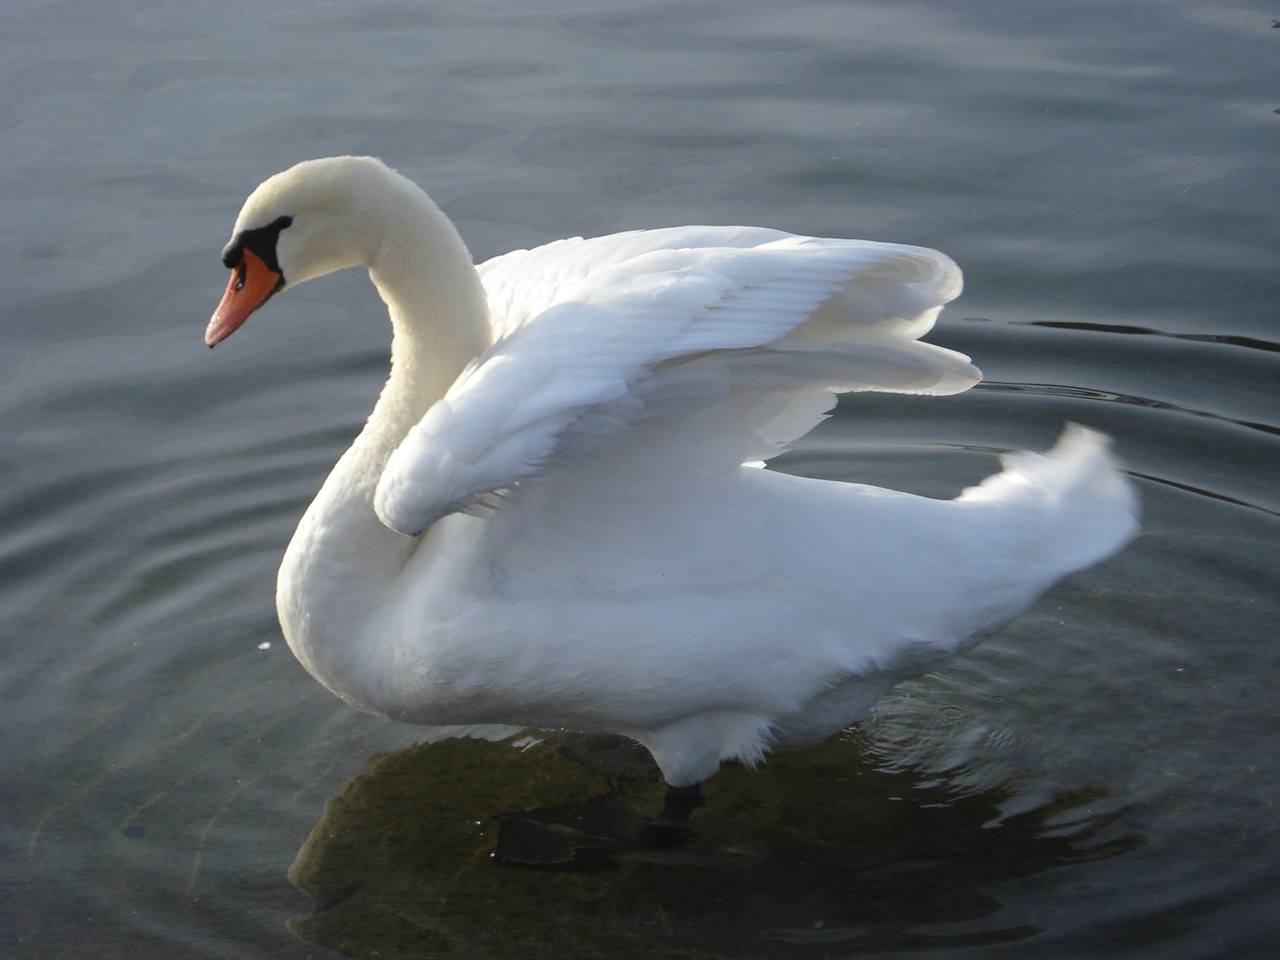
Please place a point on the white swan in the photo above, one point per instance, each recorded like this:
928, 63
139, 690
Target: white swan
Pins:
551, 519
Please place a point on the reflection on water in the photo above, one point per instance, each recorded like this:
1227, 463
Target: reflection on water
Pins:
815, 848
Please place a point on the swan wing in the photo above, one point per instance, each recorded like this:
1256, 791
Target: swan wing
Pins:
739, 334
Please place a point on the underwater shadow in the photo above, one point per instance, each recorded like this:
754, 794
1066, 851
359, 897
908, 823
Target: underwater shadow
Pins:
814, 849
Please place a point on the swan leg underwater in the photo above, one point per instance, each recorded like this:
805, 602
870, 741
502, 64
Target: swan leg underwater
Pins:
555, 516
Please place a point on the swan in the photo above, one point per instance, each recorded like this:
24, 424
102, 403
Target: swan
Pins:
556, 516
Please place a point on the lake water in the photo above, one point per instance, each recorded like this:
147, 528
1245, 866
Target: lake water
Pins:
1098, 780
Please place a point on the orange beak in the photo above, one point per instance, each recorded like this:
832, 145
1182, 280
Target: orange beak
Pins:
252, 284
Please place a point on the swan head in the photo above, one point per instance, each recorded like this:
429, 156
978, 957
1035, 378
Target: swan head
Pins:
314, 218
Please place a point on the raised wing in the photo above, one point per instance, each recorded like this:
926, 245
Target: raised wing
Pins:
594, 336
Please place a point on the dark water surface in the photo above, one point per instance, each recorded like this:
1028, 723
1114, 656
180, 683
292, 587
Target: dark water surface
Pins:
1099, 780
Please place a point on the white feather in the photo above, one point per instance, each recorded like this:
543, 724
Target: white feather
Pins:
607, 327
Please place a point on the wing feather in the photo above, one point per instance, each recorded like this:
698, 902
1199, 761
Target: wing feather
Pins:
596, 335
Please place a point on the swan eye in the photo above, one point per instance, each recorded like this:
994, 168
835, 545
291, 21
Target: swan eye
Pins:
260, 241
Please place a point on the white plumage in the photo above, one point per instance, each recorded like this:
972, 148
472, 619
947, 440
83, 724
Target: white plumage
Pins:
552, 520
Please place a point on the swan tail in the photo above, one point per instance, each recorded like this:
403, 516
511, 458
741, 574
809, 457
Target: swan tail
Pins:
1091, 505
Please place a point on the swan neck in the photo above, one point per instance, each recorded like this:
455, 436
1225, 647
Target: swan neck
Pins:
342, 561
439, 315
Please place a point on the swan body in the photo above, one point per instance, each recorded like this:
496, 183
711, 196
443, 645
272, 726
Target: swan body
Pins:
554, 517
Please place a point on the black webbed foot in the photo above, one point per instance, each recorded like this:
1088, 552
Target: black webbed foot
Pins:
595, 831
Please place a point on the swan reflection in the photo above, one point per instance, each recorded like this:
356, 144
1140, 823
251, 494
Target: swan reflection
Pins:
814, 847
